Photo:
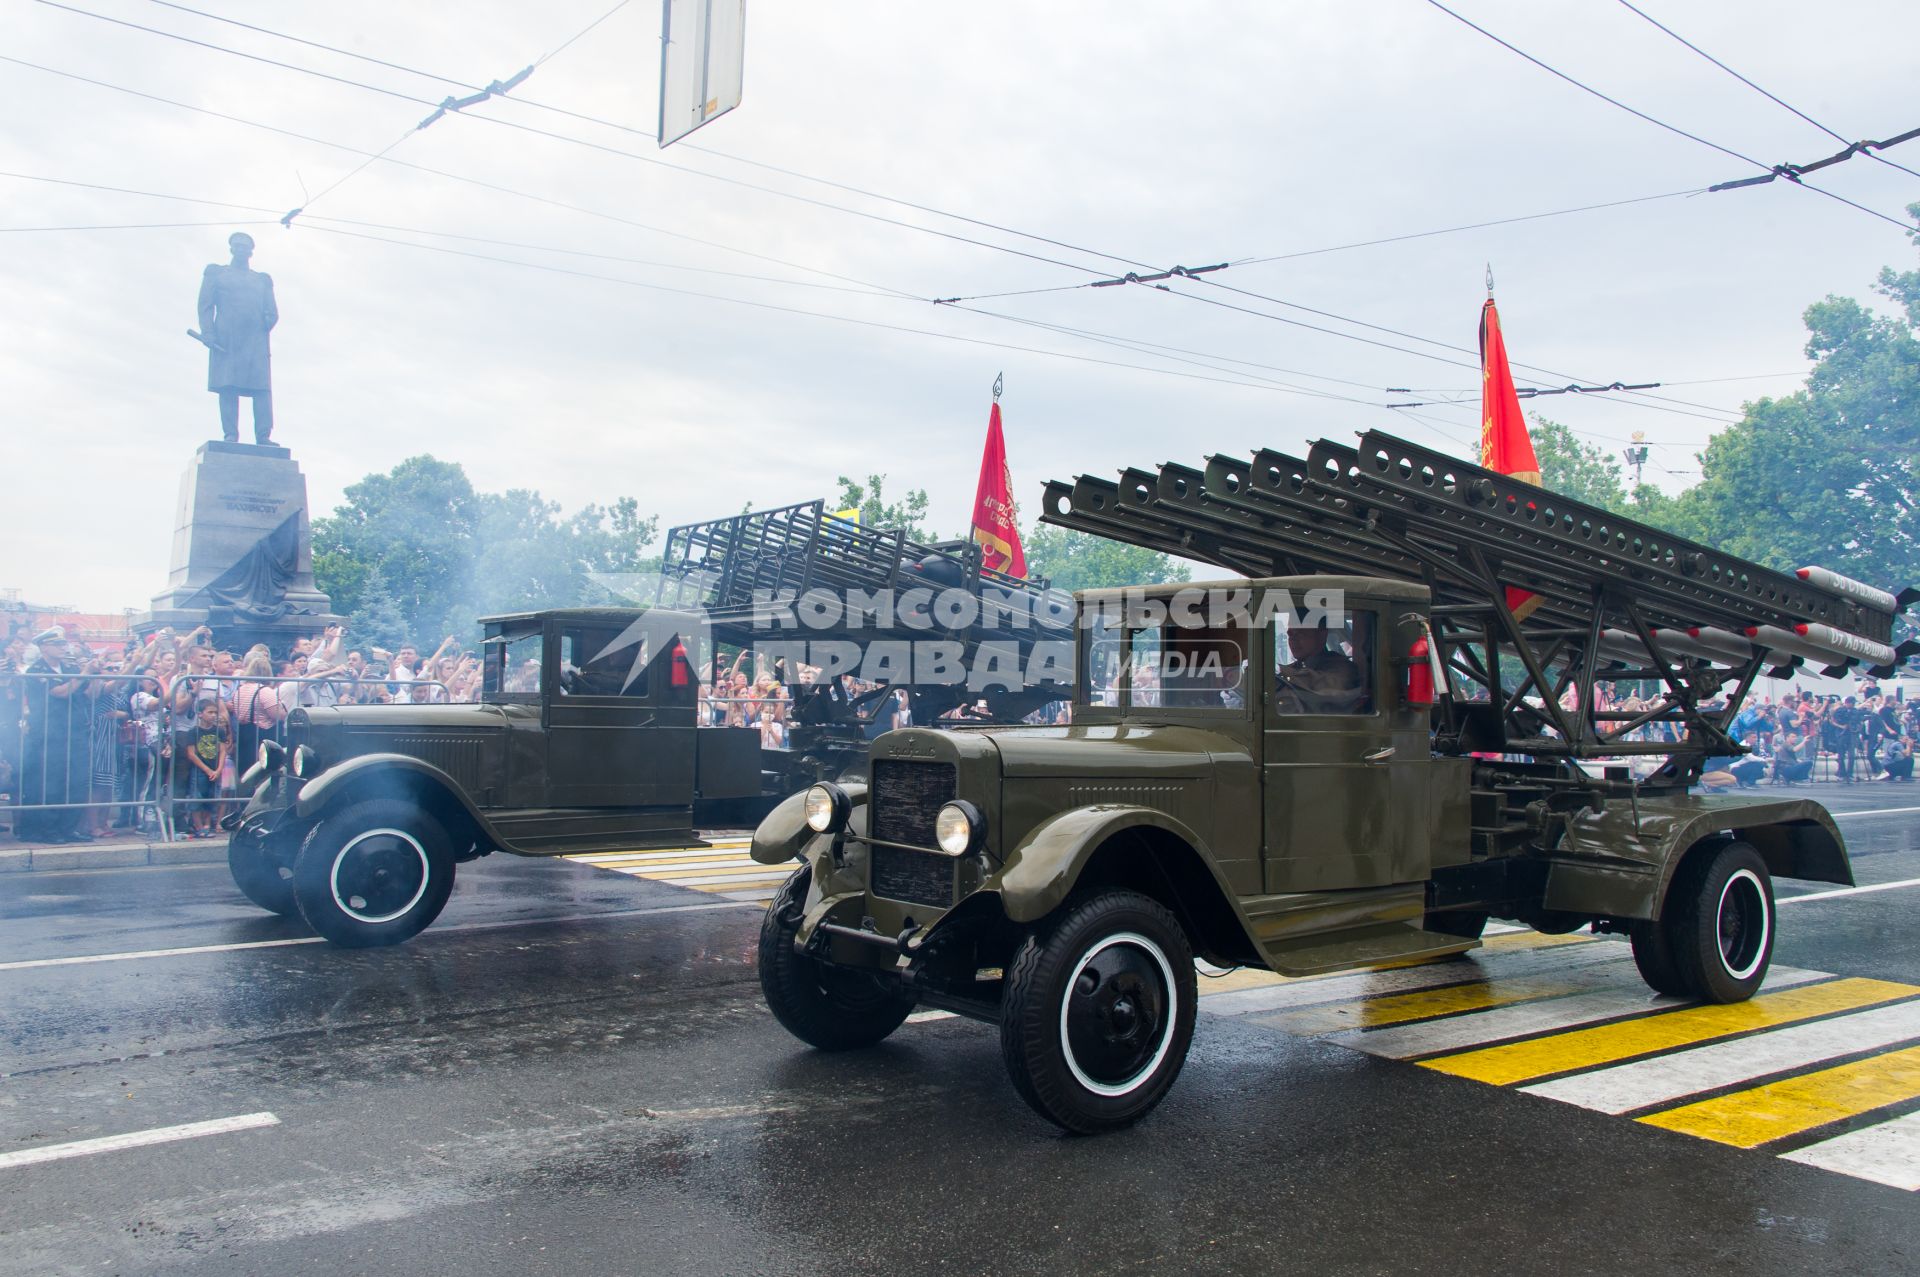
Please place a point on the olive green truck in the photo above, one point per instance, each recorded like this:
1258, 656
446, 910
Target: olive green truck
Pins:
1405, 718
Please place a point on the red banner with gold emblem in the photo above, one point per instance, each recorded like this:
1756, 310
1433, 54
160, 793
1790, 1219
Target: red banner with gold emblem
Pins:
996, 523
1505, 445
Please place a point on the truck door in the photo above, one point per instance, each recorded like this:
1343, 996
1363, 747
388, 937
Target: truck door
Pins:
1332, 816
620, 730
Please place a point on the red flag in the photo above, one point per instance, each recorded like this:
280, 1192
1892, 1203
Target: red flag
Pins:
1505, 445
995, 520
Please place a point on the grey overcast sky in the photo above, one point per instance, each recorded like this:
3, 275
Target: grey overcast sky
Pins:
1162, 133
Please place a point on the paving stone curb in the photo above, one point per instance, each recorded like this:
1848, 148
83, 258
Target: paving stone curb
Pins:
112, 855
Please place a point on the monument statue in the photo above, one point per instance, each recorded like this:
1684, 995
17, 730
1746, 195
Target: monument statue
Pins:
236, 314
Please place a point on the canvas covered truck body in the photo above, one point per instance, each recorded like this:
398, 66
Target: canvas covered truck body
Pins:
1329, 795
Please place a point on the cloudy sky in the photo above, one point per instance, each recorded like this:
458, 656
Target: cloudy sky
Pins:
696, 331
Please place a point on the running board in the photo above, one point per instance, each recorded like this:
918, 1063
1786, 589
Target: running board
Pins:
1399, 943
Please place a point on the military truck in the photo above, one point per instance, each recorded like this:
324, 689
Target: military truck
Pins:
1394, 729
585, 737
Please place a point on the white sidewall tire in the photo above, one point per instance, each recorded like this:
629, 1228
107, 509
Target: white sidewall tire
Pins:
1747, 879
1172, 1017
333, 876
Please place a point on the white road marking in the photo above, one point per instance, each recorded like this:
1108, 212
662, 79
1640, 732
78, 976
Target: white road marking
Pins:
1887, 1153
136, 1139
1496, 1024
30, 964
922, 1017
1644, 1083
1877, 811
1848, 891
1404, 979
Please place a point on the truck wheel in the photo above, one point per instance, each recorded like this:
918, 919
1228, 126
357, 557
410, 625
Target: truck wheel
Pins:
260, 878
374, 873
1719, 922
1653, 954
824, 1006
1098, 1012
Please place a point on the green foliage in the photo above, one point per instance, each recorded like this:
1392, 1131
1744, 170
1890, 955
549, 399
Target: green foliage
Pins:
416, 553
876, 512
1575, 469
1082, 561
1831, 474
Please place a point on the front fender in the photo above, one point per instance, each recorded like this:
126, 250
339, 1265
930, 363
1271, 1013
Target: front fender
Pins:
366, 771
783, 834
1043, 870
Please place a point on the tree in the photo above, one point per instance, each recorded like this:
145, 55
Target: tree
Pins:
416, 524
875, 512
1829, 475
1081, 561
417, 553
1575, 469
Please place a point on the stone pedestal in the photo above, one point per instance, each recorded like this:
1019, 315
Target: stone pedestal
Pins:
242, 551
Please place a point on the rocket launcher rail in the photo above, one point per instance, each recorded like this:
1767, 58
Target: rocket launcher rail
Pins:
1613, 598
737, 570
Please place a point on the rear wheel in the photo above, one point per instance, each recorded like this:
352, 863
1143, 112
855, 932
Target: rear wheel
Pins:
1098, 1012
1653, 954
374, 873
828, 1007
1718, 924
261, 878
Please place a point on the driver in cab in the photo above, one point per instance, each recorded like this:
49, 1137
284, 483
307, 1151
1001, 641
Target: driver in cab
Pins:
1321, 678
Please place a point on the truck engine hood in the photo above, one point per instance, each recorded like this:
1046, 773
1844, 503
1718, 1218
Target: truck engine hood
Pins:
1109, 750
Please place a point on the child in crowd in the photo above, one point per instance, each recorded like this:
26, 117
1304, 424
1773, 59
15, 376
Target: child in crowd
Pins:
200, 751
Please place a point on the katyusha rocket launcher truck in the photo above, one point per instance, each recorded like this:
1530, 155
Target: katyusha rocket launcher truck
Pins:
1405, 716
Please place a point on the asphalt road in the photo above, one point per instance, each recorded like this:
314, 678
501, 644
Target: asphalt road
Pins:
572, 1072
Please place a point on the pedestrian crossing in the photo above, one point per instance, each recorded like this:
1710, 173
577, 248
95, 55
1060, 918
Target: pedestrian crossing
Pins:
1817, 1069
722, 868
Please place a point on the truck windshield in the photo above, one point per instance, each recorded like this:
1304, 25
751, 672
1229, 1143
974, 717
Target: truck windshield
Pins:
513, 666
1166, 666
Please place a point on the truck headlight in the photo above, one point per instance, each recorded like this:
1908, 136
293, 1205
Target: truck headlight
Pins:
959, 828
827, 808
271, 757
305, 761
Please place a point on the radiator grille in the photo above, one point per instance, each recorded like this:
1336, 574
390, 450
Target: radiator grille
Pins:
916, 877
907, 796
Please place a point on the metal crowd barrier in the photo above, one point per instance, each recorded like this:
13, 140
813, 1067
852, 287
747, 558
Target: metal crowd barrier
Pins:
83, 756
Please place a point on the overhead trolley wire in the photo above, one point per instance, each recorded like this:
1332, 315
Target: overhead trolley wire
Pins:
811, 314
454, 177
1658, 123
587, 143
522, 100
1473, 226
1862, 148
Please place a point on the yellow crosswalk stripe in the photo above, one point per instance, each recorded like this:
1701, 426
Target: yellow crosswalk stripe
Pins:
1748, 1119
1588, 1048
1255, 978
745, 868
1398, 1008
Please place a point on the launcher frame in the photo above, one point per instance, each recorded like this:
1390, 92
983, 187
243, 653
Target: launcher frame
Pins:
1389, 507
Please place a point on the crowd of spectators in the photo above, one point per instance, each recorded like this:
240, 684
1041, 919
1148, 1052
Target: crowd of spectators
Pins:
767, 699
155, 732
1865, 736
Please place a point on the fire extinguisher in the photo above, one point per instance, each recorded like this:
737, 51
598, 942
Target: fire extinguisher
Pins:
1424, 677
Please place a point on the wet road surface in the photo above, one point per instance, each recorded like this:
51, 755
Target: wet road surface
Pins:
573, 1072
